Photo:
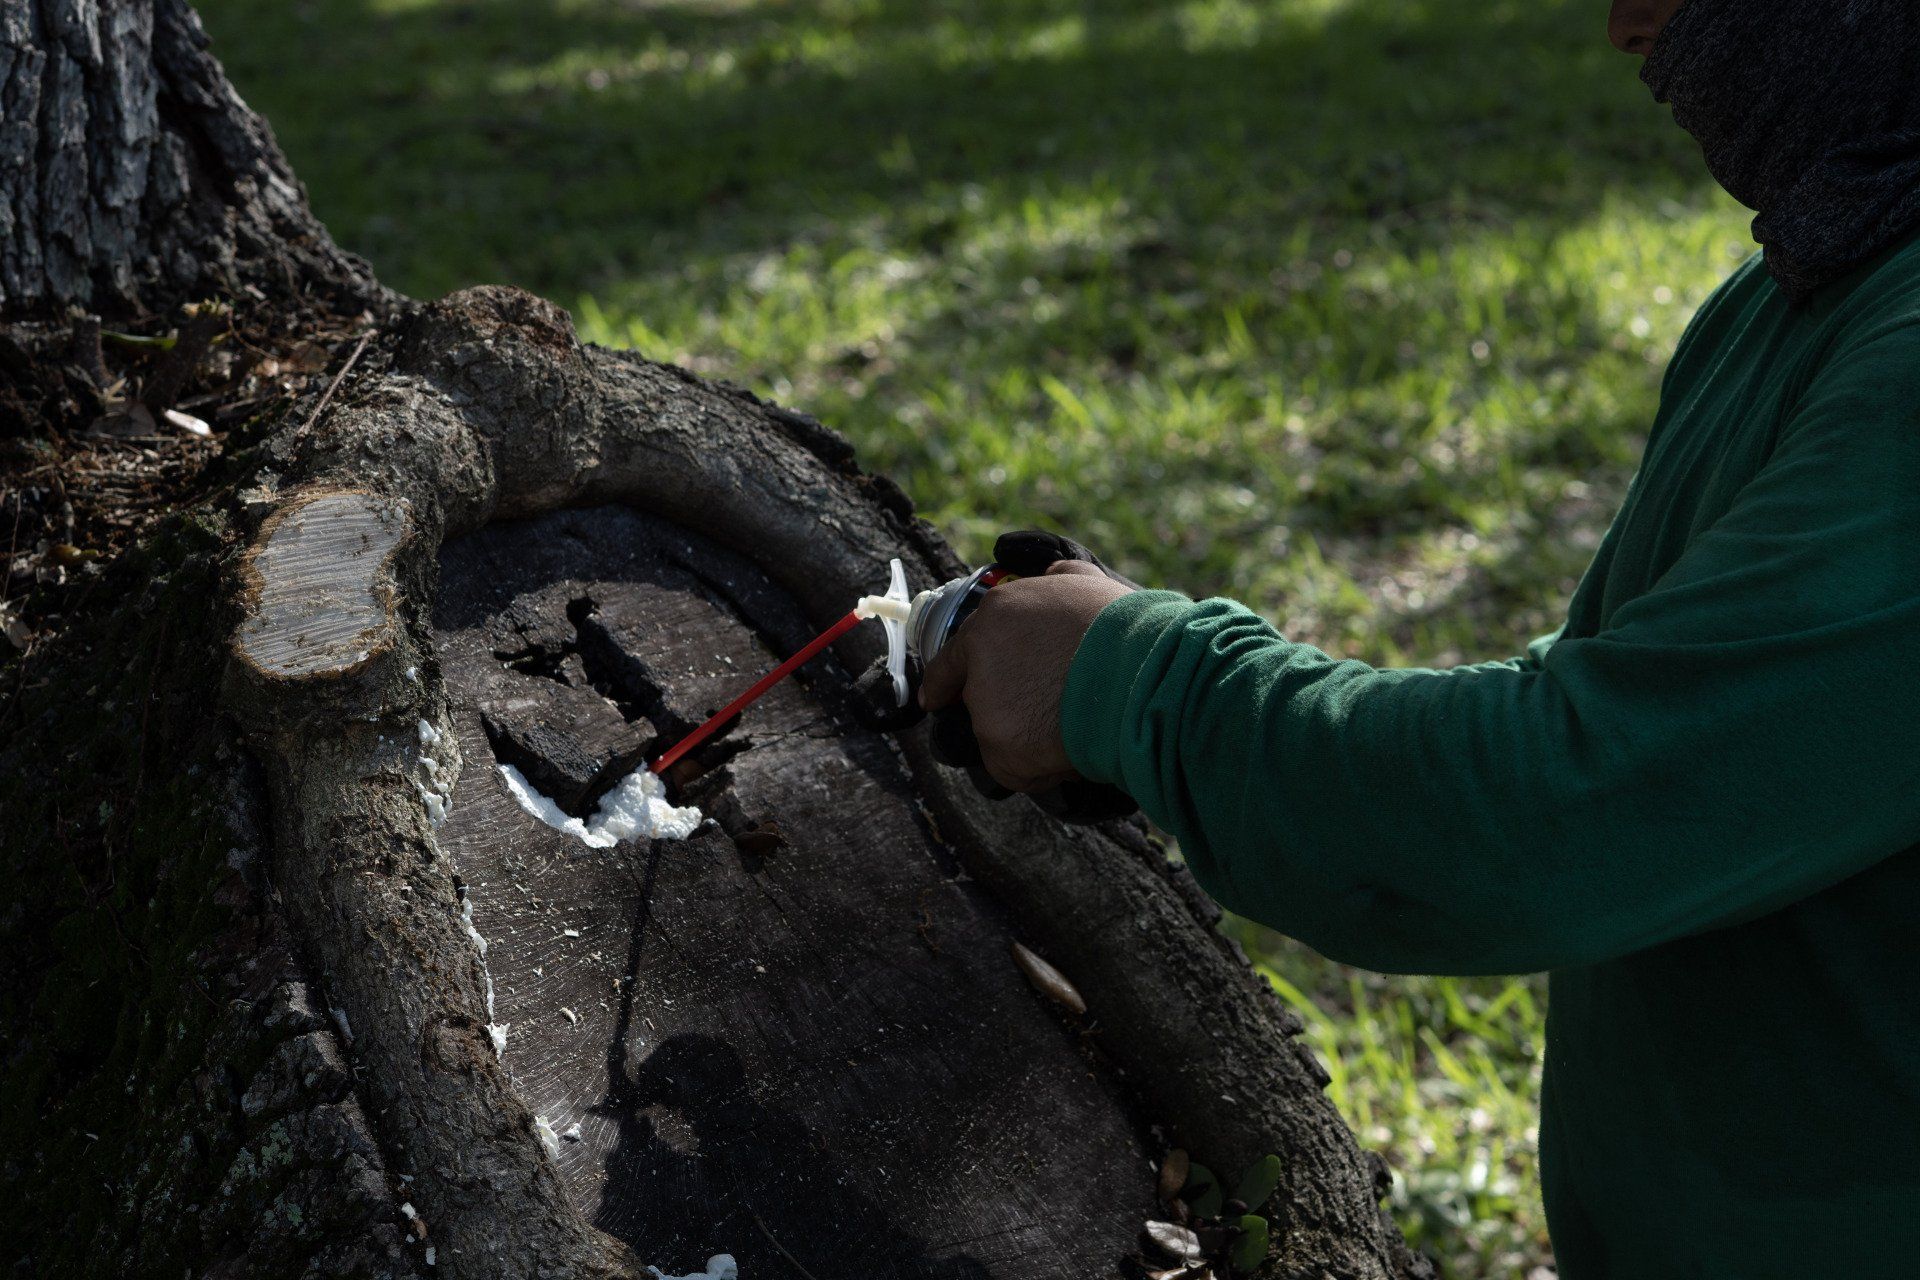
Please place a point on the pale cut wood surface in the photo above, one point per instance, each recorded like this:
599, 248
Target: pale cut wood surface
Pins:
324, 593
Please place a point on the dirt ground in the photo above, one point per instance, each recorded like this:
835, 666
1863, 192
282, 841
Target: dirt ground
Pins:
105, 430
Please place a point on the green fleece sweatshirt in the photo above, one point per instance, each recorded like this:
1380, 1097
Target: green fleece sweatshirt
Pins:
1698, 805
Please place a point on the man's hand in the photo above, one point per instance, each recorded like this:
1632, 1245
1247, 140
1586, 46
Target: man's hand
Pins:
1008, 663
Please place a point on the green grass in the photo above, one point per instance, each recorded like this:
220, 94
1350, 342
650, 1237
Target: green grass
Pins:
1442, 1074
1355, 311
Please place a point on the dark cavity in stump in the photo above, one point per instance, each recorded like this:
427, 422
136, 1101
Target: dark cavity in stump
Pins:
813, 1053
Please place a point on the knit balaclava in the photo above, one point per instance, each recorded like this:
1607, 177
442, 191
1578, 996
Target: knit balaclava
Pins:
1808, 112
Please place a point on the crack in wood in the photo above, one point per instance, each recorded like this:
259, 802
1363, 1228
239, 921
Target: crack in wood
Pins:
775, 1037
979, 1113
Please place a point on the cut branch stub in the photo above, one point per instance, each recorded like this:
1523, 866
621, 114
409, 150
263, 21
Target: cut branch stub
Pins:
320, 591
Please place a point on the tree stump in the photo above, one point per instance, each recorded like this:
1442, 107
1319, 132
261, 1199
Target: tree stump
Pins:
297, 986
825, 1041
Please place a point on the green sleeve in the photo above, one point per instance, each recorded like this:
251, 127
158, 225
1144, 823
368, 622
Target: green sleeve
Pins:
1529, 661
1742, 735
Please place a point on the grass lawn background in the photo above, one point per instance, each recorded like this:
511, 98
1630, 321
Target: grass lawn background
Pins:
1355, 311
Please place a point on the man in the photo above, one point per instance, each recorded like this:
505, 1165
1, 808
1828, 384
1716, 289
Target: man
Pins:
1698, 805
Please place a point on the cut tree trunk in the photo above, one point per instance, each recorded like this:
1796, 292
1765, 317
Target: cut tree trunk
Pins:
811, 1049
294, 985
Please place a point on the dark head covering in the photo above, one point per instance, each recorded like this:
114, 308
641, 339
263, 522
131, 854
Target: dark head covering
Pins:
1809, 114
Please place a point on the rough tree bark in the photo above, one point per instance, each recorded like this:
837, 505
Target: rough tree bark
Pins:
133, 177
296, 988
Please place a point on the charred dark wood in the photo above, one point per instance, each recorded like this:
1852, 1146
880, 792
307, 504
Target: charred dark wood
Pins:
762, 1054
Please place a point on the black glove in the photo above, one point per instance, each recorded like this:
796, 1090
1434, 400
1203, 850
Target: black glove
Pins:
1084, 803
951, 737
1030, 553
952, 742
874, 703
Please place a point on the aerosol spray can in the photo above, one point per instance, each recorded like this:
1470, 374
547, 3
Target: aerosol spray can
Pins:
925, 623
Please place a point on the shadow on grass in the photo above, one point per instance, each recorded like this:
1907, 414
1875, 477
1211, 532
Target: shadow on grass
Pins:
559, 144
651, 154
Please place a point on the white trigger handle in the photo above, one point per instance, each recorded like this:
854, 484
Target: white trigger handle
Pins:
893, 609
896, 626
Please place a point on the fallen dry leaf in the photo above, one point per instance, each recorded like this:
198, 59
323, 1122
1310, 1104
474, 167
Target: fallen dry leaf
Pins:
130, 419
1173, 1242
1047, 980
308, 357
15, 630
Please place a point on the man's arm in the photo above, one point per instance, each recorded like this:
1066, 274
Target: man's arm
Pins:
1743, 735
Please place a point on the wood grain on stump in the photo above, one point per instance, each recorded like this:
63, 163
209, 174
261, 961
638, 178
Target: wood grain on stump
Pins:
818, 1056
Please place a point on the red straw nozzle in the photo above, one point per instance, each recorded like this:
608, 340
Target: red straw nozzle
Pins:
766, 682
